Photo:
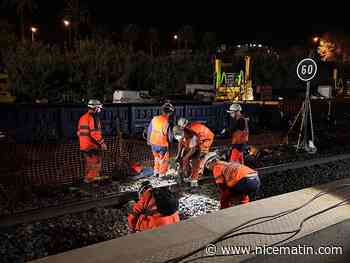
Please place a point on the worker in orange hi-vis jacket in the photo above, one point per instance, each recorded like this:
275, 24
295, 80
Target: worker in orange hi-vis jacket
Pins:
240, 133
159, 136
236, 181
198, 139
91, 141
156, 207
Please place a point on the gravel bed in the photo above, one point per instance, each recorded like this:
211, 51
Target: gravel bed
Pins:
49, 196
30, 241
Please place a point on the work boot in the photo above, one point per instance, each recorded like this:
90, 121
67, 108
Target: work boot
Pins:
179, 180
187, 179
168, 177
194, 187
161, 176
85, 189
101, 179
194, 183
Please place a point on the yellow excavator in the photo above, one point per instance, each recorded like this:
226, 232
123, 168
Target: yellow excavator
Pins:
232, 86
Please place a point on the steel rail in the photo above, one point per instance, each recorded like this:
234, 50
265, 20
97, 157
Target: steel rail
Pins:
122, 197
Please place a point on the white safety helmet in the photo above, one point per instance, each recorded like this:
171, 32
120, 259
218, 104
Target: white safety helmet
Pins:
178, 133
95, 104
182, 122
209, 157
234, 107
168, 108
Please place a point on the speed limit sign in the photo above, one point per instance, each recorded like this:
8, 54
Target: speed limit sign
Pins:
306, 69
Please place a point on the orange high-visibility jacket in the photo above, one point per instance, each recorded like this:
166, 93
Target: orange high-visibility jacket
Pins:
230, 173
144, 214
203, 133
89, 132
159, 131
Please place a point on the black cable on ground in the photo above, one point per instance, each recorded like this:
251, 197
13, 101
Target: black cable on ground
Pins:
227, 235
242, 226
295, 232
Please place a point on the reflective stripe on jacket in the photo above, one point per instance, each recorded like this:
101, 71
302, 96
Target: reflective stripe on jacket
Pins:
231, 173
204, 134
144, 214
89, 132
158, 131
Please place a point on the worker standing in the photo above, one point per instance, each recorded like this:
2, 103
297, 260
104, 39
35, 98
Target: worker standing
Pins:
91, 141
199, 139
159, 136
236, 181
155, 207
240, 133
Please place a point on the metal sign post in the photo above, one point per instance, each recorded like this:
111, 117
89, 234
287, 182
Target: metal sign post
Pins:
306, 71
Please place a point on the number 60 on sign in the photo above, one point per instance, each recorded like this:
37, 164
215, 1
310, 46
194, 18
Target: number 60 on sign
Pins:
306, 69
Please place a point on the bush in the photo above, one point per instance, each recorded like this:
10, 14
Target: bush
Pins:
95, 69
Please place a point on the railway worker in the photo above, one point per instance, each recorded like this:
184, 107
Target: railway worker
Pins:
91, 141
197, 140
187, 146
240, 133
155, 207
159, 136
236, 181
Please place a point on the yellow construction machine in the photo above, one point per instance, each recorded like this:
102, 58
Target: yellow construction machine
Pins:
232, 86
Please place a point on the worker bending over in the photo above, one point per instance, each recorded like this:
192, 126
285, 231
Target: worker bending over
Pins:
187, 147
197, 141
91, 141
240, 133
236, 181
159, 136
155, 207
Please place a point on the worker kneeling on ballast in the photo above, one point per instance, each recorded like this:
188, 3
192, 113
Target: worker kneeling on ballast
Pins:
194, 144
155, 207
236, 181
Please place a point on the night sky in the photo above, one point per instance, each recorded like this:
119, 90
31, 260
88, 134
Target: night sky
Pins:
281, 27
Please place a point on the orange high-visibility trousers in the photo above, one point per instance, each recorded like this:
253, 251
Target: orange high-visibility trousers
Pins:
93, 166
229, 198
197, 167
161, 162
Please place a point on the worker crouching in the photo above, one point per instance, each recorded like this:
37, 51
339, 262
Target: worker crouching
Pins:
237, 182
197, 140
156, 207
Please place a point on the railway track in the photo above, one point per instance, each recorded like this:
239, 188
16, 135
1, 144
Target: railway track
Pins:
119, 198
